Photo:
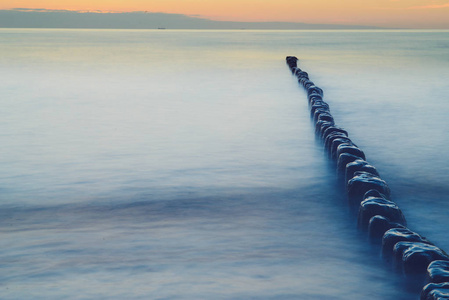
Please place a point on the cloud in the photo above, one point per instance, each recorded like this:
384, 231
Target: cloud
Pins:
41, 10
430, 6
45, 10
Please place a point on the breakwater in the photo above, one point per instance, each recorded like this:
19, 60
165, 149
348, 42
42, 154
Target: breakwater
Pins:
422, 263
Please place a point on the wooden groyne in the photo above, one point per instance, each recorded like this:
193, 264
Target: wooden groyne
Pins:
418, 259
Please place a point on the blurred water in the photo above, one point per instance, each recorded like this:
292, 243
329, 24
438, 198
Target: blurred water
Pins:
182, 164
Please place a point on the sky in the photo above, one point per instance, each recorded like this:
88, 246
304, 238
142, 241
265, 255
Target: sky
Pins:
384, 13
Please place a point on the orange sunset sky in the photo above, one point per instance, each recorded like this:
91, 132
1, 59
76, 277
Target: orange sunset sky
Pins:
385, 13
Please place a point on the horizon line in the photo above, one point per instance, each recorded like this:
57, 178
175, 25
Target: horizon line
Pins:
191, 16
218, 23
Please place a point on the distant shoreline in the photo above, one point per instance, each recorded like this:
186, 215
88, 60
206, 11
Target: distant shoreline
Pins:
65, 19
236, 30
20, 18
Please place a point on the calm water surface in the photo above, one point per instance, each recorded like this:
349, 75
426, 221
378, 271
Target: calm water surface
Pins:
183, 165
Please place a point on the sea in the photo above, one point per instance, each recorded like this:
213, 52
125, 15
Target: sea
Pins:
182, 164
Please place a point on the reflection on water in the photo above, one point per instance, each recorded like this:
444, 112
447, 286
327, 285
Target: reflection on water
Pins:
182, 165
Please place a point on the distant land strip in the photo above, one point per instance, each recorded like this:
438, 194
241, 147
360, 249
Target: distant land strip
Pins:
43, 18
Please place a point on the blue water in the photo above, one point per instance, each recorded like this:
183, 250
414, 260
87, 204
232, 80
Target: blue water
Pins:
183, 165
